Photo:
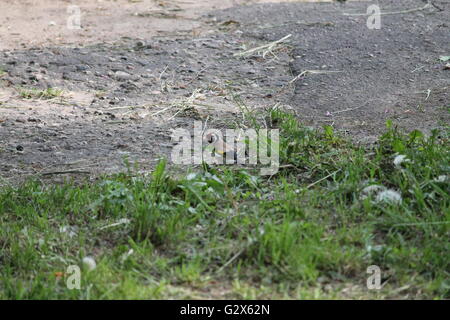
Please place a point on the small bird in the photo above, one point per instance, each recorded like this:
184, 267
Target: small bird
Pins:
220, 147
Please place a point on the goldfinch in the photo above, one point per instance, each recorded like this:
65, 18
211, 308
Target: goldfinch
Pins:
220, 147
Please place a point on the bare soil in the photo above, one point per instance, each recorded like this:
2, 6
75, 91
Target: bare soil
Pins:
361, 77
137, 70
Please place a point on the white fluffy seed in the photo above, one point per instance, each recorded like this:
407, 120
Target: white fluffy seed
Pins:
398, 160
89, 263
389, 196
373, 188
369, 191
442, 178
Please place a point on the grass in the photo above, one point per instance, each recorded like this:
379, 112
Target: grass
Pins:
311, 231
46, 94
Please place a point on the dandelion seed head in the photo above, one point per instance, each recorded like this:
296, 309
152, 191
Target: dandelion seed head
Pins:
389, 196
89, 263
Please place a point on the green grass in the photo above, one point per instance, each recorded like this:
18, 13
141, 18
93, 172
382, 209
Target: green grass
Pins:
311, 231
46, 94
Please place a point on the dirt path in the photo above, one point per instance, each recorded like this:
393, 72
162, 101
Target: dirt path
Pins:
37, 23
128, 79
120, 97
355, 78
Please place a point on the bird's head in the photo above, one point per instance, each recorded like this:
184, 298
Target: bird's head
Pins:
211, 137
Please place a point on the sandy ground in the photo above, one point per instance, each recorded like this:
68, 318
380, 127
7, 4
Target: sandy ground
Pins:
31, 23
